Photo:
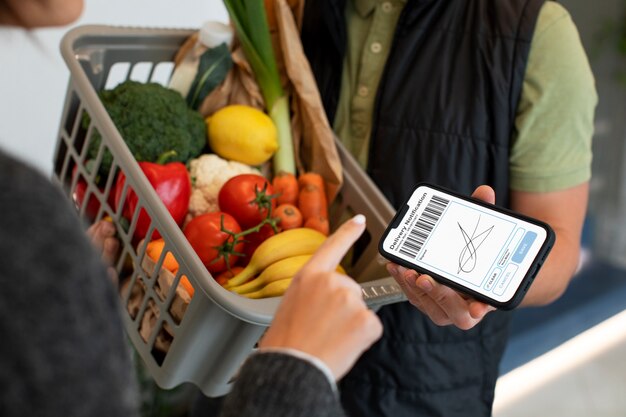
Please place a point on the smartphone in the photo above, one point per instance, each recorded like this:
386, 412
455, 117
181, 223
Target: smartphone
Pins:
489, 253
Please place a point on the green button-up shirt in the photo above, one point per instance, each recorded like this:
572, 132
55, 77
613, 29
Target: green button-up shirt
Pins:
549, 152
371, 25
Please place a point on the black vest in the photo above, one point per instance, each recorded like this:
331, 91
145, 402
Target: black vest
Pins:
445, 111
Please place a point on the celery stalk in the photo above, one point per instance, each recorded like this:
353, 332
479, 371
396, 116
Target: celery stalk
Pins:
250, 21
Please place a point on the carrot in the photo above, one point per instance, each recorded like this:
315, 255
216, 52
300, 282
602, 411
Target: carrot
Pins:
184, 282
312, 198
289, 215
154, 250
286, 186
311, 202
319, 223
223, 277
311, 178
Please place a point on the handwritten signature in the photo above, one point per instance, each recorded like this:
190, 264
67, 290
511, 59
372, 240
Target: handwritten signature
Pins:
468, 257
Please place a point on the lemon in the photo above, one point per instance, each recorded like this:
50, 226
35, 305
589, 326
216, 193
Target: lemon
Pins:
242, 133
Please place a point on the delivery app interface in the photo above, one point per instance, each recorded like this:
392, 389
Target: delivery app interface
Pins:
485, 251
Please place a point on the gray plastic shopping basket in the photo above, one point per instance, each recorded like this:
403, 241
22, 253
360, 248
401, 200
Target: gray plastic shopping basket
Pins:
209, 335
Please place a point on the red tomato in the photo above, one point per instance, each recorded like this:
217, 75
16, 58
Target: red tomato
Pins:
247, 197
208, 240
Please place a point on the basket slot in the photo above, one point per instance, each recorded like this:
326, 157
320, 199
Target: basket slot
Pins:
102, 151
178, 300
148, 322
359, 262
66, 164
162, 73
83, 132
141, 72
141, 303
135, 214
157, 334
73, 121
109, 188
119, 73
134, 291
129, 282
161, 343
60, 161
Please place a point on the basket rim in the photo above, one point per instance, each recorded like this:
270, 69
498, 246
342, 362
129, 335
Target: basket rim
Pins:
258, 312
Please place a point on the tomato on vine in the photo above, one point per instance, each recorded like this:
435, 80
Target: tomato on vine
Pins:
248, 198
212, 237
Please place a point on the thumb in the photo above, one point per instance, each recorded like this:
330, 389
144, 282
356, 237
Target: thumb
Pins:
485, 193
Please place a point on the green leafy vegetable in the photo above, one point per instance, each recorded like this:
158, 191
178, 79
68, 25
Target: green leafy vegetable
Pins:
152, 119
212, 70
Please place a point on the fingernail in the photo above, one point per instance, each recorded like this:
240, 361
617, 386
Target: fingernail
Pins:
401, 269
392, 269
359, 219
425, 285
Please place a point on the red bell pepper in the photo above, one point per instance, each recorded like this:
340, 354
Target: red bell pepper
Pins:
80, 191
92, 205
171, 183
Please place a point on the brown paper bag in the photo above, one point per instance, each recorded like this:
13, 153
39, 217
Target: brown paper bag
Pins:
314, 139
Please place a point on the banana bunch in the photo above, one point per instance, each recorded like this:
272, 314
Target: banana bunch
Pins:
275, 262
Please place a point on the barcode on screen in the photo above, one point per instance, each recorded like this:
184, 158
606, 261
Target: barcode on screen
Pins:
424, 225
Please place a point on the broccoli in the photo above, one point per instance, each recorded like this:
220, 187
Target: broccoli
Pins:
153, 120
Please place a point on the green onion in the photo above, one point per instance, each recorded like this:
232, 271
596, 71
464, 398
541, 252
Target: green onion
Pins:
250, 21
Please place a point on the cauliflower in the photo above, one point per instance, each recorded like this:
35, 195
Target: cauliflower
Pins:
208, 173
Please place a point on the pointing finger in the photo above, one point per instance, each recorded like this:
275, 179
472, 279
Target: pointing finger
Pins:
328, 256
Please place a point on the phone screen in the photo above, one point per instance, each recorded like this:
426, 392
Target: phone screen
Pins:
474, 246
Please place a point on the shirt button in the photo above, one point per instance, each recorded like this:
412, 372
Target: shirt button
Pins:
376, 47
387, 7
363, 91
358, 130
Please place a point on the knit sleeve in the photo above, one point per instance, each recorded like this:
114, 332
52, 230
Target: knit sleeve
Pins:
63, 350
276, 384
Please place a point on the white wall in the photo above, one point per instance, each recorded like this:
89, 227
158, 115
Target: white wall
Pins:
33, 76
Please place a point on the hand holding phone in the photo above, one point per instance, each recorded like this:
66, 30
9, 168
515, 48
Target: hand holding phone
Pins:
478, 249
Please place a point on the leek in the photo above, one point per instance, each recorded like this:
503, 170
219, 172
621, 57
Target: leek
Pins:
250, 21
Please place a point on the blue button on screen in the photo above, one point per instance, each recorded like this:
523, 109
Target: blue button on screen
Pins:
524, 245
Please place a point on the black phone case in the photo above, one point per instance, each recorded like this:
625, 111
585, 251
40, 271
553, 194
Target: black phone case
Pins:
524, 284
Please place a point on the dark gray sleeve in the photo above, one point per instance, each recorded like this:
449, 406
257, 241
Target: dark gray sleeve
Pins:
280, 385
63, 351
